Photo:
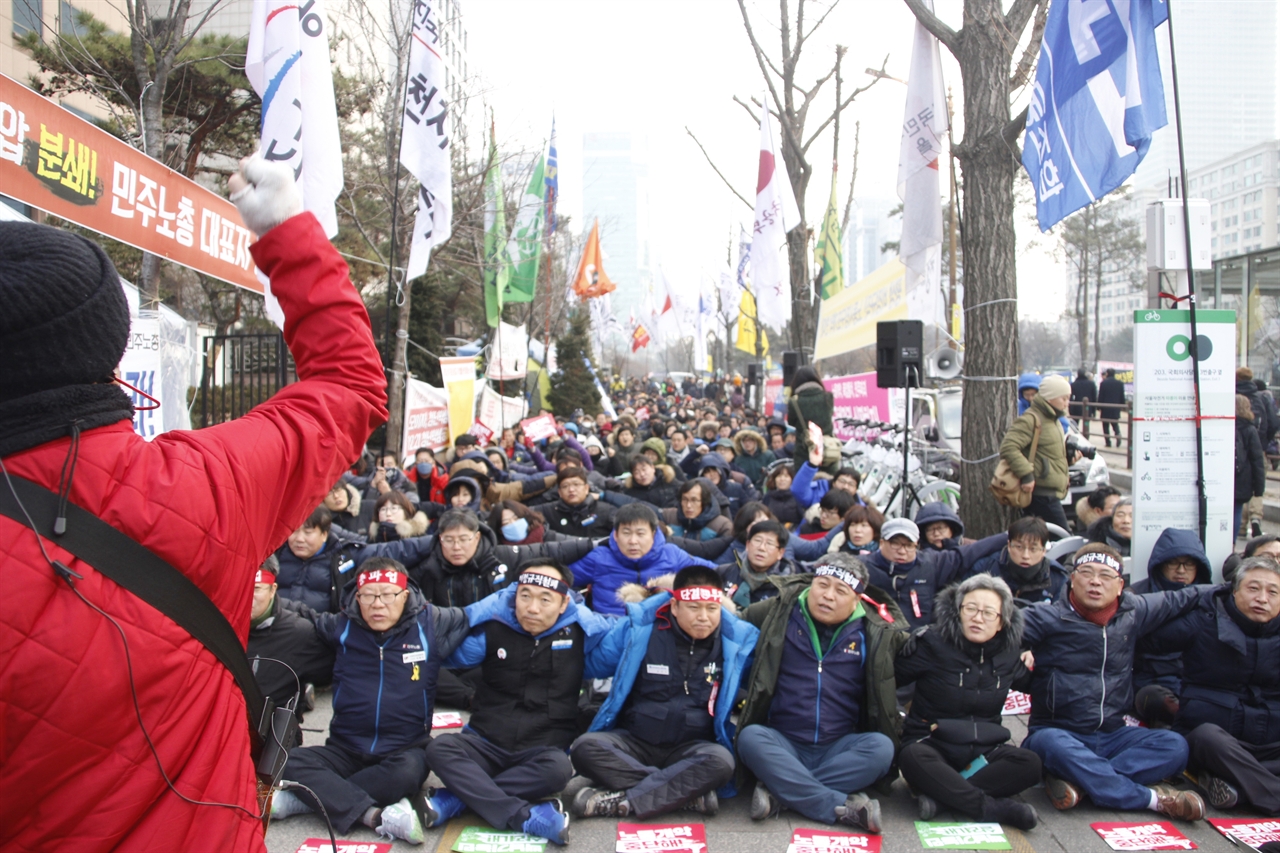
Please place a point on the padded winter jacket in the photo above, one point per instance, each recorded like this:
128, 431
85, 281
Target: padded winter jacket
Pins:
1165, 667
1049, 469
606, 569
915, 584
213, 503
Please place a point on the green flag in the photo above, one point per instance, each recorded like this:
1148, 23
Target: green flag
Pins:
525, 246
827, 253
497, 266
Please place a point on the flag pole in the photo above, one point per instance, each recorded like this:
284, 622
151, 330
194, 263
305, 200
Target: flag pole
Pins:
402, 92
1194, 348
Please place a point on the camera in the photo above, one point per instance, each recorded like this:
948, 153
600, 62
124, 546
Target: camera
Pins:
1084, 448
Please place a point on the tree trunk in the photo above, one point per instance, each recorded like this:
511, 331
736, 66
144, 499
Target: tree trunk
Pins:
989, 166
399, 374
802, 325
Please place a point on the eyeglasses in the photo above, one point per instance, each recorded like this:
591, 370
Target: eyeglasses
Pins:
1182, 565
456, 541
387, 598
901, 546
1091, 574
986, 614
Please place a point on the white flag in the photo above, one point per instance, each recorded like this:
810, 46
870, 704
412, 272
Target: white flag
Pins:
288, 65
706, 322
923, 128
776, 213
424, 138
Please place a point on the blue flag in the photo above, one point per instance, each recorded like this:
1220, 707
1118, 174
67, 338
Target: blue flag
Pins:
1097, 100
552, 179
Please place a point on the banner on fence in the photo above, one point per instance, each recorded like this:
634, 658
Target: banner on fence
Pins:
426, 417
498, 412
140, 367
459, 376
856, 396
60, 163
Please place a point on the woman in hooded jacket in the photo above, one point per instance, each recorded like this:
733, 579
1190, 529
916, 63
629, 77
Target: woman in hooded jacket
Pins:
397, 518
954, 748
697, 515
779, 498
516, 524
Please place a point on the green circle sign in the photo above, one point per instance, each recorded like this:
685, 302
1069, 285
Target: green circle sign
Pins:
1179, 347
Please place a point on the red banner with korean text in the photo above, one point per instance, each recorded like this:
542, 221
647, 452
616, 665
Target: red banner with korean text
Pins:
58, 162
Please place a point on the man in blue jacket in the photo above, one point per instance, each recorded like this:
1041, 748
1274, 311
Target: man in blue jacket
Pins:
1230, 702
531, 641
1082, 687
389, 644
636, 551
662, 739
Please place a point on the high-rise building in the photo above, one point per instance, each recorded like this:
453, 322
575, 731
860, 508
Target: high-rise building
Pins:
870, 227
615, 191
1226, 81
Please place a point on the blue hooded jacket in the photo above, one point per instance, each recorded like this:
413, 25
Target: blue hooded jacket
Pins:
501, 607
606, 568
623, 650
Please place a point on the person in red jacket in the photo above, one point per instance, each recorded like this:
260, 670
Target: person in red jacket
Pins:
213, 503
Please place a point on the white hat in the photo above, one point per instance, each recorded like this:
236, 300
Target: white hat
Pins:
900, 527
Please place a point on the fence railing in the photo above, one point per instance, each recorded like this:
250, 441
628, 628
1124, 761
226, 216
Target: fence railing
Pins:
240, 371
1114, 419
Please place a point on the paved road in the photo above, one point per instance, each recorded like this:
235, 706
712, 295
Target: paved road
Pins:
732, 831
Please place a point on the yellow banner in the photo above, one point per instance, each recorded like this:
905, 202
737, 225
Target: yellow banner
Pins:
747, 326
848, 319
459, 377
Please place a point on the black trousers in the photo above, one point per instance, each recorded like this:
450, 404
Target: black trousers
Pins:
1253, 769
1010, 770
657, 779
497, 784
456, 688
1110, 425
1049, 508
349, 782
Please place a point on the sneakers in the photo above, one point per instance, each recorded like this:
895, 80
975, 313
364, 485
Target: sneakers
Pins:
1220, 793
928, 807
860, 811
763, 803
548, 820
1184, 805
1255, 528
1061, 793
287, 804
596, 802
400, 820
708, 804
439, 807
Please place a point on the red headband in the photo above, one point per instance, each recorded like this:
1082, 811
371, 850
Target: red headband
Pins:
391, 576
264, 576
697, 593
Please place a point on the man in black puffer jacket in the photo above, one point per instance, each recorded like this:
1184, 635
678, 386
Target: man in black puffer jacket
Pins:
1230, 703
963, 666
1022, 563
575, 512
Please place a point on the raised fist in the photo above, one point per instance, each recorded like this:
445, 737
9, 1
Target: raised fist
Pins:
265, 193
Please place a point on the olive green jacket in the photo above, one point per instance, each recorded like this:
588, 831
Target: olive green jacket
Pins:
884, 639
1049, 469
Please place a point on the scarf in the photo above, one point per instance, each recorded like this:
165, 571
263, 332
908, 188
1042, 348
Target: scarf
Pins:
35, 419
1097, 617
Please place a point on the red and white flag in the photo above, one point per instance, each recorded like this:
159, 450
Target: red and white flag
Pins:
924, 126
776, 213
424, 137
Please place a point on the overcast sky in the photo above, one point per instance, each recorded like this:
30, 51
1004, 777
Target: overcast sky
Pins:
656, 66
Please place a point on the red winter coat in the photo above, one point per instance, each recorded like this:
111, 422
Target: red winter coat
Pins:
77, 773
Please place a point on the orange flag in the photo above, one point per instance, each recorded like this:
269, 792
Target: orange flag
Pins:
591, 280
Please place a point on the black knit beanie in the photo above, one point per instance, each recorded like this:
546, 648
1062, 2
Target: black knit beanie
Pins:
63, 315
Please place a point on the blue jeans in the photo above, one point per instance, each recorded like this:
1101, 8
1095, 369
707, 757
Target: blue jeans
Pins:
814, 778
1113, 768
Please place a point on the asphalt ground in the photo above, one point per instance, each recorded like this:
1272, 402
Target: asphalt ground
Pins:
733, 831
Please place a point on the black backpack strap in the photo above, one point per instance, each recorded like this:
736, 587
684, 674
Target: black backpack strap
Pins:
134, 567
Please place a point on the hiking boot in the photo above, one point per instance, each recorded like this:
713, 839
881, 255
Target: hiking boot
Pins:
928, 807
597, 802
1012, 812
1061, 793
763, 803
548, 820
400, 820
860, 811
1184, 805
438, 807
575, 784
1255, 528
708, 804
1220, 793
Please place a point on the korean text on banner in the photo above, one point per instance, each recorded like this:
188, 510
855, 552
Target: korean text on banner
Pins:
827, 841
1254, 832
426, 417
140, 367
667, 838
59, 163
848, 320
1152, 835
857, 397
459, 376
322, 845
536, 429
424, 138
498, 412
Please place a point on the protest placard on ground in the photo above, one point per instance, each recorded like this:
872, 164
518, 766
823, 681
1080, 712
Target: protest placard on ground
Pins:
1152, 835
322, 845
826, 841
482, 839
1253, 832
446, 720
667, 838
1017, 703
961, 836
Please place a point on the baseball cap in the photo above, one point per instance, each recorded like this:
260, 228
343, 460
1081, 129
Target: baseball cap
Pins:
900, 527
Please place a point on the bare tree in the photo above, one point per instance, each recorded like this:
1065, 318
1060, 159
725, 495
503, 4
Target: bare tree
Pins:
1100, 242
989, 157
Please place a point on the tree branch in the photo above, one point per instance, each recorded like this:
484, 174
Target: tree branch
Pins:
744, 105
848, 203
1023, 70
716, 170
1014, 129
759, 52
951, 38
805, 36
1019, 13
849, 100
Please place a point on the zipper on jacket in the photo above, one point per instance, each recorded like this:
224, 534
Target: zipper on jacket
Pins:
817, 706
377, 708
1103, 704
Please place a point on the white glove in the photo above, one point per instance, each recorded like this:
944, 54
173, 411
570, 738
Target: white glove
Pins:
265, 193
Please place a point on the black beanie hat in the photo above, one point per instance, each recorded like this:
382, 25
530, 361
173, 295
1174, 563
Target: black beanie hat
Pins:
63, 315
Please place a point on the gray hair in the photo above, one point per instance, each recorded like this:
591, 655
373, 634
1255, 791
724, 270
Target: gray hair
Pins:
948, 603
271, 564
848, 562
1262, 561
1127, 500
455, 518
991, 583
